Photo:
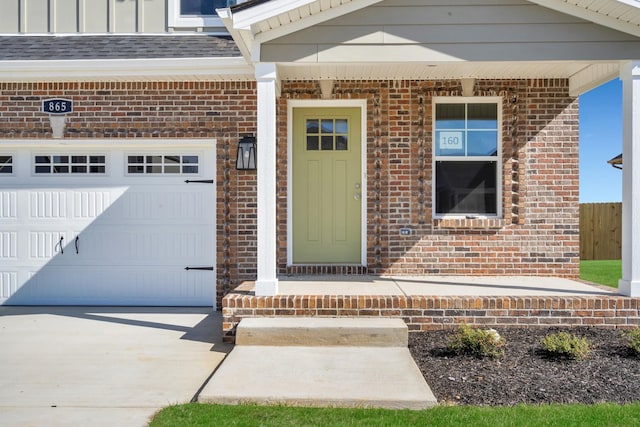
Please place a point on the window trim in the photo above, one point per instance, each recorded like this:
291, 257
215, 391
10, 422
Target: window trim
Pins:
127, 154
54, 153
497, 158
180, 21
13, 165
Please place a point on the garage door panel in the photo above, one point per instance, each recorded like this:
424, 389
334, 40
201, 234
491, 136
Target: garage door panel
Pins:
178, 245
8, 205
115, 286
8, 245
48, 204
8, 284
108, 238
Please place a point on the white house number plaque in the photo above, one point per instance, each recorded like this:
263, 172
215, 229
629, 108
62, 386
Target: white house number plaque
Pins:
451, 141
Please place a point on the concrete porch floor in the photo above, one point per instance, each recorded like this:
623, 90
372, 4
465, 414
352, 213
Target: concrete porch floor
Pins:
437, 286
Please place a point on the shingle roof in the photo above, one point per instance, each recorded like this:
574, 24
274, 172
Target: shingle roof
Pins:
114, 46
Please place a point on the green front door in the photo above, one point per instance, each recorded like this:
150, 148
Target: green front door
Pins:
327, 186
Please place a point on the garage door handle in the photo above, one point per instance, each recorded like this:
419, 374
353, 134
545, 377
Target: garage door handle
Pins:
200, 181
199, 268
77, 249
60, 245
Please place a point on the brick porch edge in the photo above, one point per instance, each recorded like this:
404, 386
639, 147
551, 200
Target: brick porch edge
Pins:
423, 313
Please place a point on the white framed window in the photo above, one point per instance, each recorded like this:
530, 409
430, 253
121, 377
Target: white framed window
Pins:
467, 151
196, 13
163, 164
6, 164
70, 164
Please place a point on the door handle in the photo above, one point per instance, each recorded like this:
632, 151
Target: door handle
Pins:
357, 196
77, 250
60, 245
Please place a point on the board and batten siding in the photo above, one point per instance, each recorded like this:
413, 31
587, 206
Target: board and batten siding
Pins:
443, 30
83, 16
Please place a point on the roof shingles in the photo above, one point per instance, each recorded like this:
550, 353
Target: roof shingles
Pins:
115, 46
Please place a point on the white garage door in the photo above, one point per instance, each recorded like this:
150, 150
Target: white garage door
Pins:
107, 223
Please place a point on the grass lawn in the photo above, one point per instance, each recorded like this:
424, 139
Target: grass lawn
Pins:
604, 272
194, 414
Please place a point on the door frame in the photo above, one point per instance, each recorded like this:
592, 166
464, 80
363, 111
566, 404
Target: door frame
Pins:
353, 103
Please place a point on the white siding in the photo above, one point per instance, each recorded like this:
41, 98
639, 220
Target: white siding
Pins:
84, 16
432, 30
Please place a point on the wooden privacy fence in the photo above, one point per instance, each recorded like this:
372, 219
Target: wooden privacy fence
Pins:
600, 231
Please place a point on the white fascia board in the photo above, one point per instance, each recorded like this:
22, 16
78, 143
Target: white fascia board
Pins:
243, 41
590, 15
315, 19
244, 19
591, 77
121, 69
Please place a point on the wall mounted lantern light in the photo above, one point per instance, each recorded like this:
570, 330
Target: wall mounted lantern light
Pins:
246, 157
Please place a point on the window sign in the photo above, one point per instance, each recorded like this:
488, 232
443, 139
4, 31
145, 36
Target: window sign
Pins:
451, 141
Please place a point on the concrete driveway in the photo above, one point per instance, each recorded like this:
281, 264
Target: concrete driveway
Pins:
77, 366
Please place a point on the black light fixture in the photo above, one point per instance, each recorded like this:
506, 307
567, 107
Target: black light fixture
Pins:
246, 157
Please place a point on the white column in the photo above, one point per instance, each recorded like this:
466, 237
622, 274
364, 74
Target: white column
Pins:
630, 282
266, 76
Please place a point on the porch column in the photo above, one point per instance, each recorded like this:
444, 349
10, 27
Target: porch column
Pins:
630, 283
266, 76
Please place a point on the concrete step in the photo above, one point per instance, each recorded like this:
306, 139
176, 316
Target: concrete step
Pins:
322, 331
338, 376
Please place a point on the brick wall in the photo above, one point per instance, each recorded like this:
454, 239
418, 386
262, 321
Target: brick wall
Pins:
222, 110
538, 234
538, 231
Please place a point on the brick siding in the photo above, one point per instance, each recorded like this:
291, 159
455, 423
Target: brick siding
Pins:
538, 231
424, 313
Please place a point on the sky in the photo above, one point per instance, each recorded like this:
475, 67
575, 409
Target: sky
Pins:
600, 140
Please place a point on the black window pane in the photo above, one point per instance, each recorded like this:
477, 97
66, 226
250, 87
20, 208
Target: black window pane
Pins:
482, 116
100, 169
136, 169
60, 159
466, 188
327, 142
78, 159
342, 142
312, 143
197, 7
135, 159
99, 159
190, 159
78, 169
6, 164
43, 159
450, 116
189, 169
172, 159
154, 159
342, 126
327, 126
61, 169
43, 169
482, 143
313, 126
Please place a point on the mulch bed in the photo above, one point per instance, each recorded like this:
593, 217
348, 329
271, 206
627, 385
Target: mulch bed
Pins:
525, 374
